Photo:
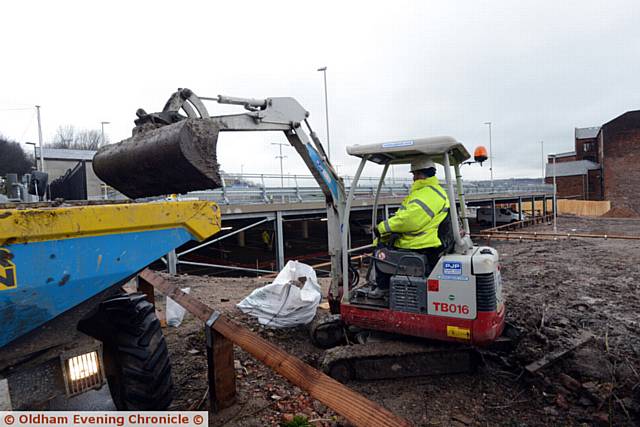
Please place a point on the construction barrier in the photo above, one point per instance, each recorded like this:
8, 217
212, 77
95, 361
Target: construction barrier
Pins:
583, 207
571, 207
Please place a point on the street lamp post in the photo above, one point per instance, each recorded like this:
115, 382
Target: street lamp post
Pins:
326, 110
543, 161
102, 130
555, 196
490, 155
280, 144
40, 139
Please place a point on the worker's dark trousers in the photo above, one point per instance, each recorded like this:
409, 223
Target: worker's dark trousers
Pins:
432, 254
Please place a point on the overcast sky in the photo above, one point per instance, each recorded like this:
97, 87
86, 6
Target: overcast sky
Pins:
396, 70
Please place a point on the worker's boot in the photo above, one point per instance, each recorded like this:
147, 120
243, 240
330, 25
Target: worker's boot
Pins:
378, 293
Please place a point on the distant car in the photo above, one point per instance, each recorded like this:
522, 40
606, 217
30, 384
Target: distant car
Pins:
503, 216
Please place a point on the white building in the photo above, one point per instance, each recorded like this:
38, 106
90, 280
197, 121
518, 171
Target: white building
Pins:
57, 161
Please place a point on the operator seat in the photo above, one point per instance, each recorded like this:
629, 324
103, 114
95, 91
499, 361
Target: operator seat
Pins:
389, 261
445, 234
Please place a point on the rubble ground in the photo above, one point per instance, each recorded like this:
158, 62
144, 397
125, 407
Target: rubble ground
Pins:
555, 292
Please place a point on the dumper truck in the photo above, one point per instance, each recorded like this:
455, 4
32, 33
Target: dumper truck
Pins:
67, 325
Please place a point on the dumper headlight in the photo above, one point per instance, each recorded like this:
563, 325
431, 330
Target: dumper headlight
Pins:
83, 366
83, 372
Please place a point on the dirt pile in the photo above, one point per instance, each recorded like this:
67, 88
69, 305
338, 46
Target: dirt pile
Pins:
557, 293
621, 213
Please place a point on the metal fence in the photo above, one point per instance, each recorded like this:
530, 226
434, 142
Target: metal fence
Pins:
251, 188
266, 188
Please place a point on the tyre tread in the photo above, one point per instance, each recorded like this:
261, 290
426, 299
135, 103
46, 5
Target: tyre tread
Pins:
140, 354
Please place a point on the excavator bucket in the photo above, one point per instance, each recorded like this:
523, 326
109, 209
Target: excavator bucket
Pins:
174, 158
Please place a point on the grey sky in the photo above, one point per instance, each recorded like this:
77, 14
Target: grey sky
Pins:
395, 69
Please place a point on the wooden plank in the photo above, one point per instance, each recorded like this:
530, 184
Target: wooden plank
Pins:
359, 410
573, 207
559, 234
557, 355
583, 207
221, 373
147, 289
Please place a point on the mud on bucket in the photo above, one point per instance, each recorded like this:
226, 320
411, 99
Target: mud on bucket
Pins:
175, 158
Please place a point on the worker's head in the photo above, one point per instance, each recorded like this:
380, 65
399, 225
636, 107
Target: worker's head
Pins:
422, 167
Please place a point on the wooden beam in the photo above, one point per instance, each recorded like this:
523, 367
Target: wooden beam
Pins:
221, 372
561, 234
550, 358
147, 289
359, 410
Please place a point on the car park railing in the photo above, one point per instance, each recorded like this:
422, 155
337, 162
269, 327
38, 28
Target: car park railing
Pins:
274, 188
265, 188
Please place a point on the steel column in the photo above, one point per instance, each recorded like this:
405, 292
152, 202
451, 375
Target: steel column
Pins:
172, 262
493, 212
279, 242
520, 213
533, 208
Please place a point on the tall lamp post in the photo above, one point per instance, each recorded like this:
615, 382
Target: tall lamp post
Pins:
280, 144
40, 139
326, 110
543, 160
102, 130
555, 196
490, 155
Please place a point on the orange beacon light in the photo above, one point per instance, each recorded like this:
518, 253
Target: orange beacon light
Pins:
480, 154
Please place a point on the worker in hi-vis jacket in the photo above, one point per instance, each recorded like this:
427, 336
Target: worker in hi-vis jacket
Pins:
417, 220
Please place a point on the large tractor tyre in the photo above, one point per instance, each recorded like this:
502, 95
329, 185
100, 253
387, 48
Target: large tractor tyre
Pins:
136, 358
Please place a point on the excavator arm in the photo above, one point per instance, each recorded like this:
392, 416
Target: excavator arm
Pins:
174, 151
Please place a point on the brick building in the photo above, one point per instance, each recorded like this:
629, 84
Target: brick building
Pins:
604, 164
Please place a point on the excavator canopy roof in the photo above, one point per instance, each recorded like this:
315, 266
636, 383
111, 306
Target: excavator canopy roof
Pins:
398, 152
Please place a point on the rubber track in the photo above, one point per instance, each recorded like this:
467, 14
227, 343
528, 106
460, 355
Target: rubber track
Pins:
397, 359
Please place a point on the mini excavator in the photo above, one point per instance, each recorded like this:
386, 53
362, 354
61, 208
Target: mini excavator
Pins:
447, 311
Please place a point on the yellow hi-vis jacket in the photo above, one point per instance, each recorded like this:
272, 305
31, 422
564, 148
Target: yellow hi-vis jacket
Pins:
419, 216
